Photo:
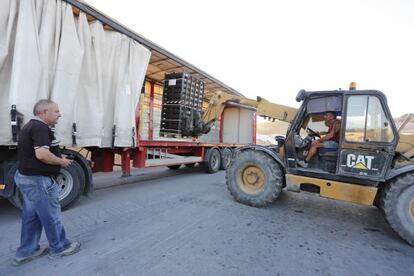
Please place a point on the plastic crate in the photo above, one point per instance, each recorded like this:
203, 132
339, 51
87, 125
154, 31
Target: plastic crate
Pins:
182, 97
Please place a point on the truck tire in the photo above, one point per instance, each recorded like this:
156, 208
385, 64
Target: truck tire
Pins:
398, 205
212, 160
226, 155
16, 197
254, 178
85, 165
71, 182
174, 167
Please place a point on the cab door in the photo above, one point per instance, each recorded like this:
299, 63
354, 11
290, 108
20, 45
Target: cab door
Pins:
369, 136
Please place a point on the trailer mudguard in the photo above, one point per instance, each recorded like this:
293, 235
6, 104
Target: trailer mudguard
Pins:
396, 172
264, 149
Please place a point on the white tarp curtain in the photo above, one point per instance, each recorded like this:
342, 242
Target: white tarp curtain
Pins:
94, 75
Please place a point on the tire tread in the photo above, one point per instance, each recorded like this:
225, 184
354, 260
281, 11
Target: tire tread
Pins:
389, 195
275, 179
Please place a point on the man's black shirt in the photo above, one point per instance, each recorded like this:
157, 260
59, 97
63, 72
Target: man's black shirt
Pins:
36, 134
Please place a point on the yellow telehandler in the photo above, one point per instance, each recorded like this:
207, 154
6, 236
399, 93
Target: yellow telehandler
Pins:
372, 165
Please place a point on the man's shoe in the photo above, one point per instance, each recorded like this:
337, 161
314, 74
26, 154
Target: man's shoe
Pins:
22, 260
302, 163
72, 249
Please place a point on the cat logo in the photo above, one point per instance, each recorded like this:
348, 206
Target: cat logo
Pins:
361, 162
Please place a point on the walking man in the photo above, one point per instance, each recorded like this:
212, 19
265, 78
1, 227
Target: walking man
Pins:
39, 160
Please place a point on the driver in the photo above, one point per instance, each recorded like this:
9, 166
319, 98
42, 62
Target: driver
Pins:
330, 140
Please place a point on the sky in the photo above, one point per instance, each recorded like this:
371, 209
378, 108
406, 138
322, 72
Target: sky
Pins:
275, 48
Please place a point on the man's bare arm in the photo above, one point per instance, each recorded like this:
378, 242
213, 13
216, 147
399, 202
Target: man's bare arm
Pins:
45, 156
331, 134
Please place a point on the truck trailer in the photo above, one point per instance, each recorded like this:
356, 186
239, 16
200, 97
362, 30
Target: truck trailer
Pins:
110, 84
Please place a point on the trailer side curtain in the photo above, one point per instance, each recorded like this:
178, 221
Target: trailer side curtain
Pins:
8, 22
93, 74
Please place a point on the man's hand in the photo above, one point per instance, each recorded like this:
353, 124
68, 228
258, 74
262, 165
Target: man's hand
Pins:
45, 156
66, 162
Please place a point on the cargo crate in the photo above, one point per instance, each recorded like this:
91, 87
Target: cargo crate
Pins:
182, 97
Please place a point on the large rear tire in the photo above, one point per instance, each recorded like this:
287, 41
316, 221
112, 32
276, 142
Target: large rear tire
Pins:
254, 178
397, 202
212, 160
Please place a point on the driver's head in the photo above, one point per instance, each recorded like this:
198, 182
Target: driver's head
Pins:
330, 116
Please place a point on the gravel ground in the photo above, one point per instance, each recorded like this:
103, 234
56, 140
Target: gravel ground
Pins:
186, 223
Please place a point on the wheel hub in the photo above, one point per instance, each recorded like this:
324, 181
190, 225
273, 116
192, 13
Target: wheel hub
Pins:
253, 180
214, 161
65, 183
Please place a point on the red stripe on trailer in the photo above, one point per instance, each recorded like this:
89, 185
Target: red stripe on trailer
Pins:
137, 123
146, 143
181, 150
151, 112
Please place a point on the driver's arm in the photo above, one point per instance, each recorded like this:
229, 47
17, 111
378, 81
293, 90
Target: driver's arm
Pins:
331, 134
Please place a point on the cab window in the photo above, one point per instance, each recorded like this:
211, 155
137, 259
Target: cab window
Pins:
366, 120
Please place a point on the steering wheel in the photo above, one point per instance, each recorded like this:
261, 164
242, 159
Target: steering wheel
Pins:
313, 133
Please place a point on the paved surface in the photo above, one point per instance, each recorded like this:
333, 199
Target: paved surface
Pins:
188, 224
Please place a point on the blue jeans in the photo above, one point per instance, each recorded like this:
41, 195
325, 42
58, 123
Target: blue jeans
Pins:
41, 209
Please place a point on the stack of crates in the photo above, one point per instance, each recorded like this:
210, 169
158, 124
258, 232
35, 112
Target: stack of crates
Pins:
182, 99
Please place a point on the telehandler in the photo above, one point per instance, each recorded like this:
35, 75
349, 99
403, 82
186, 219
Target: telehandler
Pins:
373, 164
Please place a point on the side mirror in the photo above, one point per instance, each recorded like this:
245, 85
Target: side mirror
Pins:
301, 95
